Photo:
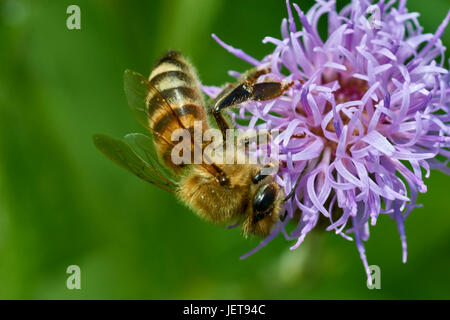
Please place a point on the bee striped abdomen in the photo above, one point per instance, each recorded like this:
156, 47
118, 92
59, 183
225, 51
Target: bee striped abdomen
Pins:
177, 82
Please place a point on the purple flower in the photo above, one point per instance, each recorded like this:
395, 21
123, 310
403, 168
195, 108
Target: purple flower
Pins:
365, 121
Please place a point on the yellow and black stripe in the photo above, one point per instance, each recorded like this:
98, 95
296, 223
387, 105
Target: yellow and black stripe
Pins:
176, 80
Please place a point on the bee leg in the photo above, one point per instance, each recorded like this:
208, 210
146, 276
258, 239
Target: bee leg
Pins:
222, 123
254, 74
283, 217
248, 90
251, 76
260, 138
260, 175
292, 192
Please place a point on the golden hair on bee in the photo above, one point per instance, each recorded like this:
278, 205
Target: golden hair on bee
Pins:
170, 100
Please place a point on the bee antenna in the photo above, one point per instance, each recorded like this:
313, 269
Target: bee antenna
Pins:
292, 192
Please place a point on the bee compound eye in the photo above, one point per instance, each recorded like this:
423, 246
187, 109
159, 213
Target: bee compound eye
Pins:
264, 200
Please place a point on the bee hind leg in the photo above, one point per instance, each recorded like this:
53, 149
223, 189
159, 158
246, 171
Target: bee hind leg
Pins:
222, 123
247, 90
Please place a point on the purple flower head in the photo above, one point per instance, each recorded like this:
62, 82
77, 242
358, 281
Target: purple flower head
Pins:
363, 124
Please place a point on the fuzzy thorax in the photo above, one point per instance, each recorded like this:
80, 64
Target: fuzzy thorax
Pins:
230, 203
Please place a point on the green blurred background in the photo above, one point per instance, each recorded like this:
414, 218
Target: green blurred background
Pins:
64, 203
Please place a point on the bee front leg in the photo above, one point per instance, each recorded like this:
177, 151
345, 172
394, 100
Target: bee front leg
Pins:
260, 138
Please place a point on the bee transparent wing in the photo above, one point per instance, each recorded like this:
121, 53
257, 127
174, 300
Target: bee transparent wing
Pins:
143, 99
144, 147
137, 89
123, 154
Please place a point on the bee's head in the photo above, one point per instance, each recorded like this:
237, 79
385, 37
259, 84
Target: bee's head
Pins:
264, 207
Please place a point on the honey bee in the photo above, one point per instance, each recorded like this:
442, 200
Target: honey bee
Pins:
171, 99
